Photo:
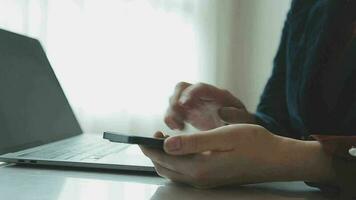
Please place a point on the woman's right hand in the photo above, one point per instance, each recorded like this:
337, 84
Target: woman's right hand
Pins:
205, 107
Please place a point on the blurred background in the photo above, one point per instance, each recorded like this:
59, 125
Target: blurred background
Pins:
119, 60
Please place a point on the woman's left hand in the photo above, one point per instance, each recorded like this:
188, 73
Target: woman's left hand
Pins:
236, 154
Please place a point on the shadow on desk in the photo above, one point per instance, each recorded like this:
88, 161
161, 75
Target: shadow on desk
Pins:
70, 184
267, 191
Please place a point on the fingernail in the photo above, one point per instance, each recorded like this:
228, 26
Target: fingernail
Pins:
173, 144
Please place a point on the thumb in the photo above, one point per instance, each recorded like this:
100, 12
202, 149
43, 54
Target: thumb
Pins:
211, 140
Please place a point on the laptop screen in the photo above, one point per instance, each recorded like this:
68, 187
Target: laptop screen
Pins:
33, 107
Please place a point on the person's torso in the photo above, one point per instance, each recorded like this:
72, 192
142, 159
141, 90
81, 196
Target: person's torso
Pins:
321, 67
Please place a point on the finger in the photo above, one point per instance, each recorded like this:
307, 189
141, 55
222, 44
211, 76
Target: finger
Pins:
230, 115
170, 174
174, 117
193, 170
193, 95
180, 87
158, 134
201, 92
176, 163
213, 140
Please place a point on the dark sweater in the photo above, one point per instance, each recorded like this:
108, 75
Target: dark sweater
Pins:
312, 89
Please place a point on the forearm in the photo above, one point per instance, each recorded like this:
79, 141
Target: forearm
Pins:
290, 160
304, 161
326, 163
293, 160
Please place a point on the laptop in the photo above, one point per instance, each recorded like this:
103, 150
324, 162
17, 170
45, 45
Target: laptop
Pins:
37, 124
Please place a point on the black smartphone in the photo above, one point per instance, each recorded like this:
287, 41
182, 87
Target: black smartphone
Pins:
134, 139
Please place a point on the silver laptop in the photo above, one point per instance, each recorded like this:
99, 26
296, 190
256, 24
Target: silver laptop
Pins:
37, 124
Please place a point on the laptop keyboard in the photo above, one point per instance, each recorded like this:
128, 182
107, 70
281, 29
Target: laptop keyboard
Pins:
87, 149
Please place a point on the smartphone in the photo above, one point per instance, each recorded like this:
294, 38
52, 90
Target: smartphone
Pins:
134, 139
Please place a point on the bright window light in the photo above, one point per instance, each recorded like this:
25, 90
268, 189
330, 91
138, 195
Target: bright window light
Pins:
117, 60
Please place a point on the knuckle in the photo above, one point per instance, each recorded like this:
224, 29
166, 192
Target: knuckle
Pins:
256, 129
249, 132
201, 85
190, 143
225, 92
252, 131
203, 89
181, 85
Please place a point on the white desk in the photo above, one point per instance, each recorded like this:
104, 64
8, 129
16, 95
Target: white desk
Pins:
19, 183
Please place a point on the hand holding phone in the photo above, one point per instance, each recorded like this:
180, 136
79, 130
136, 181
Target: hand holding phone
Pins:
134, 139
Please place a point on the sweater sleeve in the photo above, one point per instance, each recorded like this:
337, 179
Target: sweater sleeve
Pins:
271, 111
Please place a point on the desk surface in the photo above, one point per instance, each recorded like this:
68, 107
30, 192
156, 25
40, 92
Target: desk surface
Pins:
18, 182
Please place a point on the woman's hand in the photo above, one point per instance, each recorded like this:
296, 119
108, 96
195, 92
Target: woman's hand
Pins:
205, 107
238, 154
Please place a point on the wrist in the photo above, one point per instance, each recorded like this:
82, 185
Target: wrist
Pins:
305, 161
